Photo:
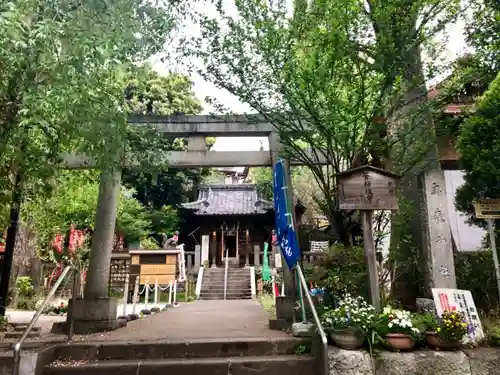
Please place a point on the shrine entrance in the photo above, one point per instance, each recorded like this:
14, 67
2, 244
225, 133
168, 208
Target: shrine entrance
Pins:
231, 247
194, 129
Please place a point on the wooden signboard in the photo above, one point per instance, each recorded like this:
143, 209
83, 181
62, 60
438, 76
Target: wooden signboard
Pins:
487, 208
152, 265
367, 188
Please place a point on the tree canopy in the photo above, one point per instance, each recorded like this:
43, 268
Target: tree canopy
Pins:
479, 148
73, 202
172, 94
61, 81
330, 76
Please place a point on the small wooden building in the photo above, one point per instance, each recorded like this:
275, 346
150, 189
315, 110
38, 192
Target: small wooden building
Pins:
231, 217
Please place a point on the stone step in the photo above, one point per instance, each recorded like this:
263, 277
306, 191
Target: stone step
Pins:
221, 280
195, 348
18, 334
291, 365
230, 271
229, 284
221, 298
221, 290
243, 284
228, 296
229, 279
221, 285
235, 276
36, 343
20, 327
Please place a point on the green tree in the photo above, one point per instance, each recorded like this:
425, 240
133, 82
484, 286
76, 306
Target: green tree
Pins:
305, 188
479, 152
483, 33
61, 87
73, 201
327, 85
151, 93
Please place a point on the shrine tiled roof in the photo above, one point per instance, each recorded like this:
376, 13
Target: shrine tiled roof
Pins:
241, 199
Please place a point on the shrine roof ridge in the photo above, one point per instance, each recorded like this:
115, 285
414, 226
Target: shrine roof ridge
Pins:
229, 199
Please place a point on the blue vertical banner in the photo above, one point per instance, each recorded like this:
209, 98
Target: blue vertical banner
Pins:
284, 223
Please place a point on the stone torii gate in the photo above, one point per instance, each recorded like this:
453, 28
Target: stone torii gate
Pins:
97, 312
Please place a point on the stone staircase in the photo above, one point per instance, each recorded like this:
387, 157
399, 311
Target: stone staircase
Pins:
238, 283
214, 357
18, 330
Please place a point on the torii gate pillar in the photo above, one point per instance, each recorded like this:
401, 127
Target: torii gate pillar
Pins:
96, 311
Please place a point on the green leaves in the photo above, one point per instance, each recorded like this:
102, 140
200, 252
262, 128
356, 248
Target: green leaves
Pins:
64, 66
73, 201
483, 32
479, 148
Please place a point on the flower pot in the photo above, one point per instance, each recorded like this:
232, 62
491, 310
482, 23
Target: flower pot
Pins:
348, 338
434, 341
399, 341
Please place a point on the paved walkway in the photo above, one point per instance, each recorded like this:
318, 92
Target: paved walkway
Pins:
239, 319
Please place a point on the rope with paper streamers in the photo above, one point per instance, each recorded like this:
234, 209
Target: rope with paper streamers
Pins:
154, 288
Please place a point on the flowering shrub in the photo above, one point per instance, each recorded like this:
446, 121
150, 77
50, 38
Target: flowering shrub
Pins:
353, 312
395, 321
452, 326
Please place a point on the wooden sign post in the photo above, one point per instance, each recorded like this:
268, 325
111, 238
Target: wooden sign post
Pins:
368, 189
161, 265
489, 209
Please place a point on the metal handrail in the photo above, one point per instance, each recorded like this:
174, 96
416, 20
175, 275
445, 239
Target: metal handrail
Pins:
225, 274
321, 330
20, 342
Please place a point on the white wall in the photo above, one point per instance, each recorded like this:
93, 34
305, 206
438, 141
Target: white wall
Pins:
467, 237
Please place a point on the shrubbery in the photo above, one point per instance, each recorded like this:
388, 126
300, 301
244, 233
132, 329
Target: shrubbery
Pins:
475, 272
343, 270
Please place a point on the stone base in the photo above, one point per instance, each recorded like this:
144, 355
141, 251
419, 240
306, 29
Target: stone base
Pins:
91, 315
279, 324
482, 361
285, 310
85, 327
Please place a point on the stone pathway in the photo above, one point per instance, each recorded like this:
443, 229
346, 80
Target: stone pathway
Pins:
213, 319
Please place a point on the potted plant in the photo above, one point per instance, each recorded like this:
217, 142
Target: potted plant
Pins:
349, 323
448, 332
396, 328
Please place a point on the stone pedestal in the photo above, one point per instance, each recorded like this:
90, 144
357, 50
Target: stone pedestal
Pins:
97, 312
93, 315
285, 310
90, 315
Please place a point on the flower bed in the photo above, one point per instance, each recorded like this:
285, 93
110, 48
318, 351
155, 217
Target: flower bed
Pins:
353, 323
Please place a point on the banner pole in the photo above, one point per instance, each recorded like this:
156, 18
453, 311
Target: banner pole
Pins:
292, 220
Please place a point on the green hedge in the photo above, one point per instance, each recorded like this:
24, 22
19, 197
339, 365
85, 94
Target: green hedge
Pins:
342, 270
475, 272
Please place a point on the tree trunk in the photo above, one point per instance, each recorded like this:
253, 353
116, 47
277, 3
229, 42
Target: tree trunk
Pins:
10, 244
407, 227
